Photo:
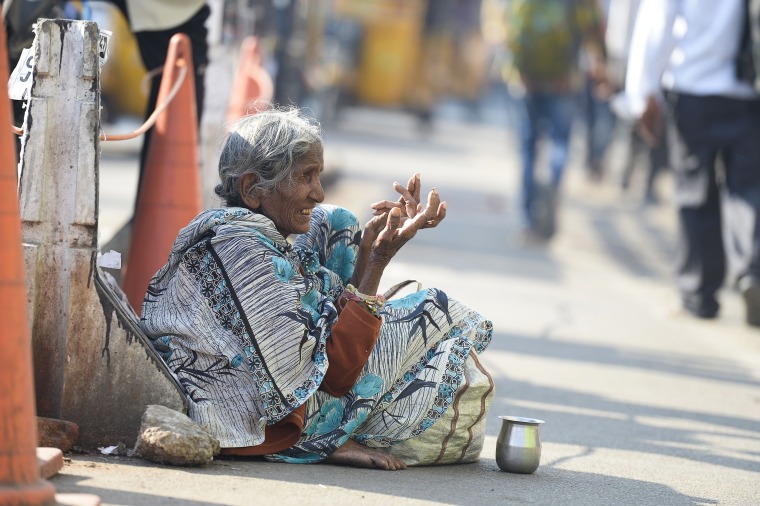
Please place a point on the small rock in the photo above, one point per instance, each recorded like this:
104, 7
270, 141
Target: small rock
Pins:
121, 449
55, 433
169, 437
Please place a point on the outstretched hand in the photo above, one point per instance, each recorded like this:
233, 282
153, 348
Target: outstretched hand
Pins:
393, 225
400, 228
409, 204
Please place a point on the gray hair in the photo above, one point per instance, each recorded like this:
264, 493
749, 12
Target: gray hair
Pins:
266, 143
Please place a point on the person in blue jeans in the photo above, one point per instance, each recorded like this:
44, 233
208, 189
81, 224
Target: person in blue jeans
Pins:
545, 38
552, 113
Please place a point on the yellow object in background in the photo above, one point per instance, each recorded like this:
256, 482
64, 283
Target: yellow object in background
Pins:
390, 49
122, 75
389, 56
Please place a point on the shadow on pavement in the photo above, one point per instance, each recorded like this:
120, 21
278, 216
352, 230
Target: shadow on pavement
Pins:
671, 363
594, 421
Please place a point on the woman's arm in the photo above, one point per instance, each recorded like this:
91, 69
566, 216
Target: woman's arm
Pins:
369, 234
348, 348
357, 329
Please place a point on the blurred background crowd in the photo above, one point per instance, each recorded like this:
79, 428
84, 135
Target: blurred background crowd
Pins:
565, 69
412, 55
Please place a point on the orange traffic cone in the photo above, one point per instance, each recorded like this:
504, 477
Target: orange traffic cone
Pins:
170, 191
253, 88
20, 481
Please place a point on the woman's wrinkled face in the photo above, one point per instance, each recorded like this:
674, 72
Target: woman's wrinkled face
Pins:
290, 205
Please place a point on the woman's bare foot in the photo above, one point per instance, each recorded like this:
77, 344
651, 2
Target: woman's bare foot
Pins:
358, 455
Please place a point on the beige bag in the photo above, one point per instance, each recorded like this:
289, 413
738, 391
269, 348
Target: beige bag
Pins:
457, 437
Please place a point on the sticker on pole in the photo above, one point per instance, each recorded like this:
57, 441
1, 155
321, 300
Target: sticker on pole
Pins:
20, 81
105, 38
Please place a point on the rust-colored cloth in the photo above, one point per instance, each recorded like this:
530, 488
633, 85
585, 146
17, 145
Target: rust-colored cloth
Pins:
352, 339
348, 348
277, 437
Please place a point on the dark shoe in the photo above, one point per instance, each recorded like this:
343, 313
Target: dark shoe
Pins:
544, 211
530, 239
706, 311
750, 290
595, 172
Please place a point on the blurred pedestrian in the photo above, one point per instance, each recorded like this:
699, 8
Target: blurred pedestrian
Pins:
545, 38
684, 56
432, 72
620, 23
600, 126
471, 56
154, 23
599, 118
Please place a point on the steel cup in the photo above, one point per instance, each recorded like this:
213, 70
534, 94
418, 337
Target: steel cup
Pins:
518, 448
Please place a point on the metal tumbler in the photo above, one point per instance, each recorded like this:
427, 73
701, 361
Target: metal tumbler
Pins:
518, 448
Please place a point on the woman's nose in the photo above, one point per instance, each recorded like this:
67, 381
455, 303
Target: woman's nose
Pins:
317, 192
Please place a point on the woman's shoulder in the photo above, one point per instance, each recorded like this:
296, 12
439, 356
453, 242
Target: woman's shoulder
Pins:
239, 231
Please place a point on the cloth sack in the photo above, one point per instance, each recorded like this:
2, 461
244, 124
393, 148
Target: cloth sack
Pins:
457, 437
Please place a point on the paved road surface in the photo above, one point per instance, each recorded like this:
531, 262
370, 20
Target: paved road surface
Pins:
642, 405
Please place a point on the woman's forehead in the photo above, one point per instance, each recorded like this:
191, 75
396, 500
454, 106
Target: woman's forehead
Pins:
313, 155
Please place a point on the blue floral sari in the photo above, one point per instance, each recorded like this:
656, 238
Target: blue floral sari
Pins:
242, 318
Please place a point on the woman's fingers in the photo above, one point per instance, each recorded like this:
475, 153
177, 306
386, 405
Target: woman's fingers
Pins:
412, 225
403, 191
376, 223
393, 222
411, 207
435, 211
440, 215
434, 201
413, 186
383, 206
406, 216
407, 199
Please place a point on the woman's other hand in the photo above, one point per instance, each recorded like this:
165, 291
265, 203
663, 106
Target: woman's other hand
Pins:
409, 203
400, 228
393, 225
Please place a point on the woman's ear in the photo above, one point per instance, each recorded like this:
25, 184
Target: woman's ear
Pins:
246, 188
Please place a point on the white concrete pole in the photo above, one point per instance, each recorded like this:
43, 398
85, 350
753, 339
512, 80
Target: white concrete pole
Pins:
59, 202
92, 364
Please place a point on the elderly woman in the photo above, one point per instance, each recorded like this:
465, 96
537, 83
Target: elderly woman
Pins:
283, 348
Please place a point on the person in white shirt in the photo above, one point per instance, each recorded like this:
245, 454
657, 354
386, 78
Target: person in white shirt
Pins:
682, 75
